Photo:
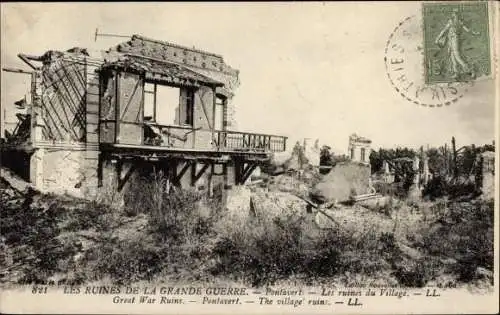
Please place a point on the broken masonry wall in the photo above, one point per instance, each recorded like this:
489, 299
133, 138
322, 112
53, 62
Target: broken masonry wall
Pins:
344, 180
92, 99
64, 169
65, 159
91, 158
359, 149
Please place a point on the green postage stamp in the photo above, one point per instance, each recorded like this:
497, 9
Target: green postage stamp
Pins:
456, 41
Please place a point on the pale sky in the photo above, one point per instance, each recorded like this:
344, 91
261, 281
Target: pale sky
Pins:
306, 69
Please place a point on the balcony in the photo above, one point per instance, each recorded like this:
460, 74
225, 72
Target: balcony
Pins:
186, 137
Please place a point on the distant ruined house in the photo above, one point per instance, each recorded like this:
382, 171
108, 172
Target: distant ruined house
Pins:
359, 149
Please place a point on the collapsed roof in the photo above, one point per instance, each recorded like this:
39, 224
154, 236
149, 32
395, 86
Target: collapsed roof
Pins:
163, 70
158, 60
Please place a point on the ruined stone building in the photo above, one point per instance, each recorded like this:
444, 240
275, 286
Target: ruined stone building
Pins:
144, 104
359, 149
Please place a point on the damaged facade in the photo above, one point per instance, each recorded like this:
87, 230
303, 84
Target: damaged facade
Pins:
359, 149
146, 104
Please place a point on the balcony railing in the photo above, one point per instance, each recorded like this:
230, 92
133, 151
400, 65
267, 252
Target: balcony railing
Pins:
219, 140
245, 141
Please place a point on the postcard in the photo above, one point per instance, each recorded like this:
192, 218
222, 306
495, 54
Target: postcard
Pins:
249, 158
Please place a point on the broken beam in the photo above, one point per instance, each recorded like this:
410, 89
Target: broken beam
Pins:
195, 176
27, 58
247, 172
183, 171
15, 70
122, 182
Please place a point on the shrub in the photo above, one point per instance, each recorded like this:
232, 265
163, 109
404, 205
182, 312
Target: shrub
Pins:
32, 233
440, 187
262, 252
91, 215
174, 213
416, 273
324, 258
464, 233
125, 262
180, 226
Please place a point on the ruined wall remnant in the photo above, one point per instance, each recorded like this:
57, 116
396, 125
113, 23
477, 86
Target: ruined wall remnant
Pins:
488, 175
65, 169
62, 154
344, 180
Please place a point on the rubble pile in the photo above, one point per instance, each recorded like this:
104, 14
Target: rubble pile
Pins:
276, 204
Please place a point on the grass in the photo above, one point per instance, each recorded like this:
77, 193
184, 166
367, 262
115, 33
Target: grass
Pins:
164, 232
262, 252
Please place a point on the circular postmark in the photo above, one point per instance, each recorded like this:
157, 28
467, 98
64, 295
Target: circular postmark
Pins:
405, 68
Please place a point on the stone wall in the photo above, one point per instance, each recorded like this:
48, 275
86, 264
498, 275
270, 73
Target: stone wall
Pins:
65, 169
343, 180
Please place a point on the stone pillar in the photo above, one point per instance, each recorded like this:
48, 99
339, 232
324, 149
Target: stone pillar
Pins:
414, 192
385, 167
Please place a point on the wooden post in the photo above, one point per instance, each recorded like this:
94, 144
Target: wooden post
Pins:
210, 184
117, 106
446, 164
225, 186
171, 174
238, 172
224, 174
118, 174
193, 173
213, 118
100, 166
154, 101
